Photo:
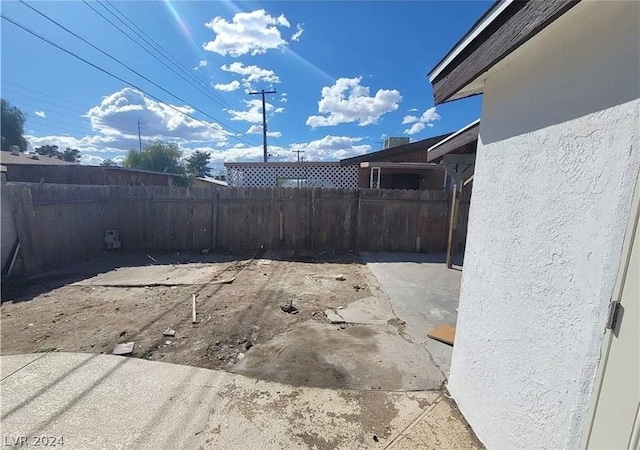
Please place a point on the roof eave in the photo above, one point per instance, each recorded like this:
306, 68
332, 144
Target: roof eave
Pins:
482, 23
504, 28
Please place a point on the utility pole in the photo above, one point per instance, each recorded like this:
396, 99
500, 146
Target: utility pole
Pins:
264, 120
298, 152
139, 137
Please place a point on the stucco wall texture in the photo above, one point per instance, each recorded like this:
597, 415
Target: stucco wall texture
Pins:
557, 161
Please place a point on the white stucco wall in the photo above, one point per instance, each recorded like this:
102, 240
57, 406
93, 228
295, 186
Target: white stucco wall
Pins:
557, 160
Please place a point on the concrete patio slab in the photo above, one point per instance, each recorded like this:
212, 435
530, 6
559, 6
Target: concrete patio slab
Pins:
434, 430
368, 311
356, 357
183, 274
105, 401
423, 293
16, 363
332, 317
113, 260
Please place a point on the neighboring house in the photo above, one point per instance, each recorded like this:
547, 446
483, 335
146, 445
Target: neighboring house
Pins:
403, 166
551, 240
457, 155
30, 159
28, 168
292, 174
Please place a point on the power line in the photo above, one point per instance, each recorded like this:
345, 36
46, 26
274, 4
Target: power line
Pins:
55, 127
191, 83
123, 64
45, 110
42, 93
200, 86
116, 119
28, 30
133, 40
149, 40
70, 126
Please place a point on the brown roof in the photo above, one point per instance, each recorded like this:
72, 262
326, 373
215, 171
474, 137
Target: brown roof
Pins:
6, 158
465, 140
502, 29
381, 155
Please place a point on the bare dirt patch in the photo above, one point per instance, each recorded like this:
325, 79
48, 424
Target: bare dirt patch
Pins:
49, 315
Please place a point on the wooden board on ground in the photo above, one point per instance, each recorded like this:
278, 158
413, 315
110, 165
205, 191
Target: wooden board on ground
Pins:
443, 333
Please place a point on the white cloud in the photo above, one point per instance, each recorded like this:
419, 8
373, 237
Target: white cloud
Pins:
115, 125
118, 115
248, 32
257, 129
430, 115
201, 64
252, 73
283, 98
413, 110
298, 33
41, 114
346, 101
95, 143
329, 148
229, 87
91, 160
409, 119
420, 123
415, 128
254, 112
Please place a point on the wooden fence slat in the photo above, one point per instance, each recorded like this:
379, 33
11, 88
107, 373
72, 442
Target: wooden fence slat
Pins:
58, 224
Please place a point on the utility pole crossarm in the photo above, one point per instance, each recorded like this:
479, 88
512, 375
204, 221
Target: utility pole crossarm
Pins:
264, 120
298, 152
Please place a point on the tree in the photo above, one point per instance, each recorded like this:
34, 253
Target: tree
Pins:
198, 162
48, 150
12, 127
108, 163
70, 155
221, 175
159, 156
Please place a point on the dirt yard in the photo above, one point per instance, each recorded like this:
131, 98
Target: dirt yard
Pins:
92, 306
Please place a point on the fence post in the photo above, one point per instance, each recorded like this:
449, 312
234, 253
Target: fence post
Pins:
311, 216
23, 212
356, 224
214, 219
452, 225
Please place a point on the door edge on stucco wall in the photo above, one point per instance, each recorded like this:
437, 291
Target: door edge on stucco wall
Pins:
607, 340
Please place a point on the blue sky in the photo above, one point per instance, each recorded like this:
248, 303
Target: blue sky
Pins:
347, 74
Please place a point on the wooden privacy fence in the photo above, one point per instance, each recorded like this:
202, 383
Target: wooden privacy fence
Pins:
60, 224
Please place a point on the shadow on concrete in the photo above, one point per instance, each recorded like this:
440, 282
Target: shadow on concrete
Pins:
418, 258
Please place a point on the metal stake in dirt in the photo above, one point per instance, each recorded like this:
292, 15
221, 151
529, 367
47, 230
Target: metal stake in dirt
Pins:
193, 302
